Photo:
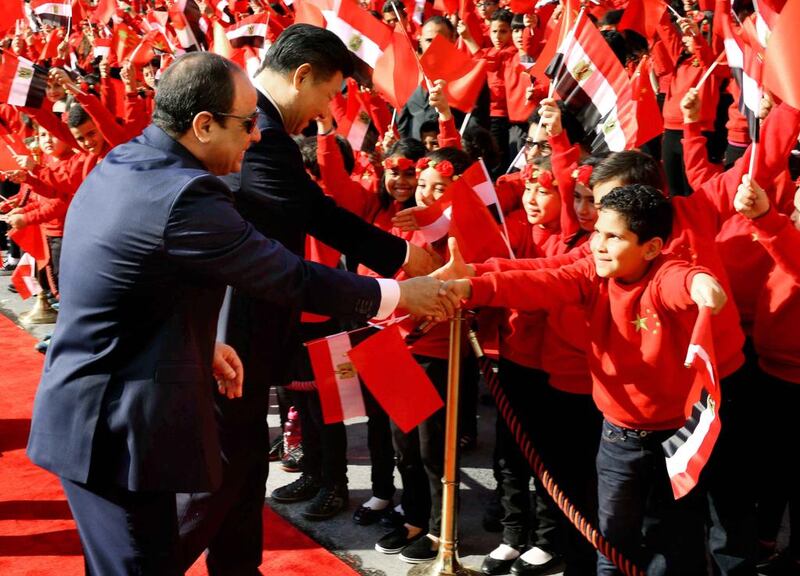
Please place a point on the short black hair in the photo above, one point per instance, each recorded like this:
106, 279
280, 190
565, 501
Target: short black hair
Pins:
502, 15
629, 167
308, 149
428, 126
77, 116
610, 18
306, 44
410, 148
458, 158
647, 212
617, 43
390, 5
518, 22
196, 82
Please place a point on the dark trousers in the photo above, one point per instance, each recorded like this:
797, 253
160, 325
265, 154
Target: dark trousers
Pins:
499, 127
672, 156
324, 445
637, 512
420, 457
730, 493
125, 532
381, 451
564, 429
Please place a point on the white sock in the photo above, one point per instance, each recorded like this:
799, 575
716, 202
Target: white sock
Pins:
504, 552
434, 539
376, 503
537, 556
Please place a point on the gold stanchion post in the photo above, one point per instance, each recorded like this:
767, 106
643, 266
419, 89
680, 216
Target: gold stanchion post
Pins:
446, 562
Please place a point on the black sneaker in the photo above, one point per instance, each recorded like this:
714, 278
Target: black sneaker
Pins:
6, 268
391, 518
422, 550
326, 504
302, 489
364, 516
396, 540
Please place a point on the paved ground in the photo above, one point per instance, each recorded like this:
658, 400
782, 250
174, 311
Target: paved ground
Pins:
352, 543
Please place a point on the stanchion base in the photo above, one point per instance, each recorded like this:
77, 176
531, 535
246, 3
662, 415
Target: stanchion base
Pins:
439, 567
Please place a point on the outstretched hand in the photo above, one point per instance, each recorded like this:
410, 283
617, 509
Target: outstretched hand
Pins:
457, 267
405, 220
426, 297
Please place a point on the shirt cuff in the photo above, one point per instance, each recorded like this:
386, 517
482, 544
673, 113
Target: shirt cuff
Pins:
408, 252
390, 297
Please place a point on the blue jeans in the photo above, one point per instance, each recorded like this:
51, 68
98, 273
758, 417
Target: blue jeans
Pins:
637, 513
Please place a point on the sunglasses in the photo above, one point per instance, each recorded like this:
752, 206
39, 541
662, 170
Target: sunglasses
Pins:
248, 122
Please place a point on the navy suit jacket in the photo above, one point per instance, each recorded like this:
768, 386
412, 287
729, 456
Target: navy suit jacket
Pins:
279, 198
150, 242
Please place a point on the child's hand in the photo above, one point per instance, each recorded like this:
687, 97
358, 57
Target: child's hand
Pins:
457, 267
706, 291
405, 219
690, 106
438, 99
458, 289
750, 201
550, 114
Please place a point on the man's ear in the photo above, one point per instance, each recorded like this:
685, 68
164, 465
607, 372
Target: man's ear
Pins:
303, 73
202, 125
653, 247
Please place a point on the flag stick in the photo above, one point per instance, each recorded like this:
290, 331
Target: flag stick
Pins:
753, 152
710, 70
504, 234
514, 161
464, 124
394, 117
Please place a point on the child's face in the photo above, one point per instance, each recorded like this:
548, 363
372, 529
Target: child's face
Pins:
430, 140
617, 251
796, 212
583, 202
542, 206
500, 34
486, 8
49, 144
430, 186
400, 184
516, 37
54, 92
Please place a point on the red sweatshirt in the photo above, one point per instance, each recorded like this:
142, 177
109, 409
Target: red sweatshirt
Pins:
774, 329
638, 333
496, 61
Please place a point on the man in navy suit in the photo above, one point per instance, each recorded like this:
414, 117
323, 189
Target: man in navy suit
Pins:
124, 413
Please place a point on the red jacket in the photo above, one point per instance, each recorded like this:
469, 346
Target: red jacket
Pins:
496, 61
638, 333
774, 329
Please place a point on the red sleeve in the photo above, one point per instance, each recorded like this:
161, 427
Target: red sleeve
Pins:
534, 289
45, 210
347, 194
53, 124
699, 169
136, 115
581, 252
670, 39
776, 233
112, 132
564, 160
449, 137
59, 182
778, 137
673, 284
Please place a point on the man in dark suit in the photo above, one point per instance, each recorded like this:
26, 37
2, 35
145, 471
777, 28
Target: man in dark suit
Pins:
301, 73
124, 412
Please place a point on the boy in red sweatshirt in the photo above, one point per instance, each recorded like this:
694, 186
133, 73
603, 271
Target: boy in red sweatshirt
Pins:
641, 309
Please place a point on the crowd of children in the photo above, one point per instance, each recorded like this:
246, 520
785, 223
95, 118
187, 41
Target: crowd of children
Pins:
613, 255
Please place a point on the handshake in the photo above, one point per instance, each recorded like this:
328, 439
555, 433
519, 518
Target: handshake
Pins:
438, 295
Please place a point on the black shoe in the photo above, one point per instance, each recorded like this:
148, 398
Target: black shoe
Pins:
396, 540
419, 551
6, 268
364, 516
326, 504
302, 489
12, 288
392, 518
42, 346
494, 567
523, 568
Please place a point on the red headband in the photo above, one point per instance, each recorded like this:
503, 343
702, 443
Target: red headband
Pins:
544, 178
582, 174
398, 163
443, 167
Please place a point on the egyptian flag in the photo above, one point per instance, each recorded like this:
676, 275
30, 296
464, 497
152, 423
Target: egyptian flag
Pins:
357, 126
52, 12
434, 220
185, 18
222, 11
590, 80
102, 47
745, 65
22, 83
363, 34
688, 450
24, 277
336, 378
250, 31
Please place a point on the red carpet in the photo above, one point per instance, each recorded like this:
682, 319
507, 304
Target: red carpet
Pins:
37, 534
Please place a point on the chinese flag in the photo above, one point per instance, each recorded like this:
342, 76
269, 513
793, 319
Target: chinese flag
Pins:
396, 380
642, 16
11, 12
31, 240
465, 76
396, 71
124, 41
781, 73
476, 230
104, 11
648, 117
517, 81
